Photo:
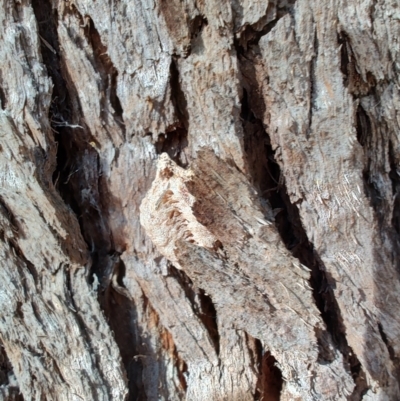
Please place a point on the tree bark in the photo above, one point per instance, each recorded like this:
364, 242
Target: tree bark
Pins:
199, 200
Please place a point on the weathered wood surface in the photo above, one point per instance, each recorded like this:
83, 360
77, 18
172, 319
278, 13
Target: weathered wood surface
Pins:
199, 200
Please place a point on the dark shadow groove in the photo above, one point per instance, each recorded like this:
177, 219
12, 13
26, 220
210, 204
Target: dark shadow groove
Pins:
385, 340
391, 351
268, 180
78, 171
3, 99
381, 185
366, 137
12, 242
313, 79
61, 107
208, 315
78, 179
178, 96
175, 140
250, 35
352, 80
197, 25
364, 128
8, 388
395, 178
270, 381
173, 143
121, 315
345, 55
202, 304
6, 368
104, 66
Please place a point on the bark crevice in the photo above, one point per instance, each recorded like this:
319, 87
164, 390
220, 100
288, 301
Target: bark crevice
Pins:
313, 79
3, 99
6, 369
202, 304
268, 179
175, 140
60, 111
352, 79
250, 34
395, 179
196, 27
77, 175
109, 75
270, 379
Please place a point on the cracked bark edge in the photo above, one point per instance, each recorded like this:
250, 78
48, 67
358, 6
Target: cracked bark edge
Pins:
208, 222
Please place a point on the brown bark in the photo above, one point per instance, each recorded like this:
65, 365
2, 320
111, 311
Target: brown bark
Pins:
199, 200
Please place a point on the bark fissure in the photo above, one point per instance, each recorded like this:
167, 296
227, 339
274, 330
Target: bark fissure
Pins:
109, 74
147, 353
208, 315
377, 170
201, 303
16, 231
268, 179
312, 95
395, 179
13, 244
270, 380
60, 111
250, 34
8, 386
392, 353
175, 140
196, 26
77, 175
105, 259
3, 99
121, 314
364, 130
11, 218
351, 76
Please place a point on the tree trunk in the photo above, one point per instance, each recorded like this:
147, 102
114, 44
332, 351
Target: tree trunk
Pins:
199, 200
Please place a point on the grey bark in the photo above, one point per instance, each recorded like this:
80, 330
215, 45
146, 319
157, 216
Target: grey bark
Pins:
199, 200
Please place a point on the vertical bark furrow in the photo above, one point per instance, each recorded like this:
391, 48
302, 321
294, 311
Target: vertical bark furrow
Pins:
270, 381
202, 304
82, 188
3, 99
332, 191
39, 322
269, 180
9, 390
253, 21
372, 88
110, 104
108, 73
175, 140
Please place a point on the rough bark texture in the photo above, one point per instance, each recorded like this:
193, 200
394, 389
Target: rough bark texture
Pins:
199, 200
